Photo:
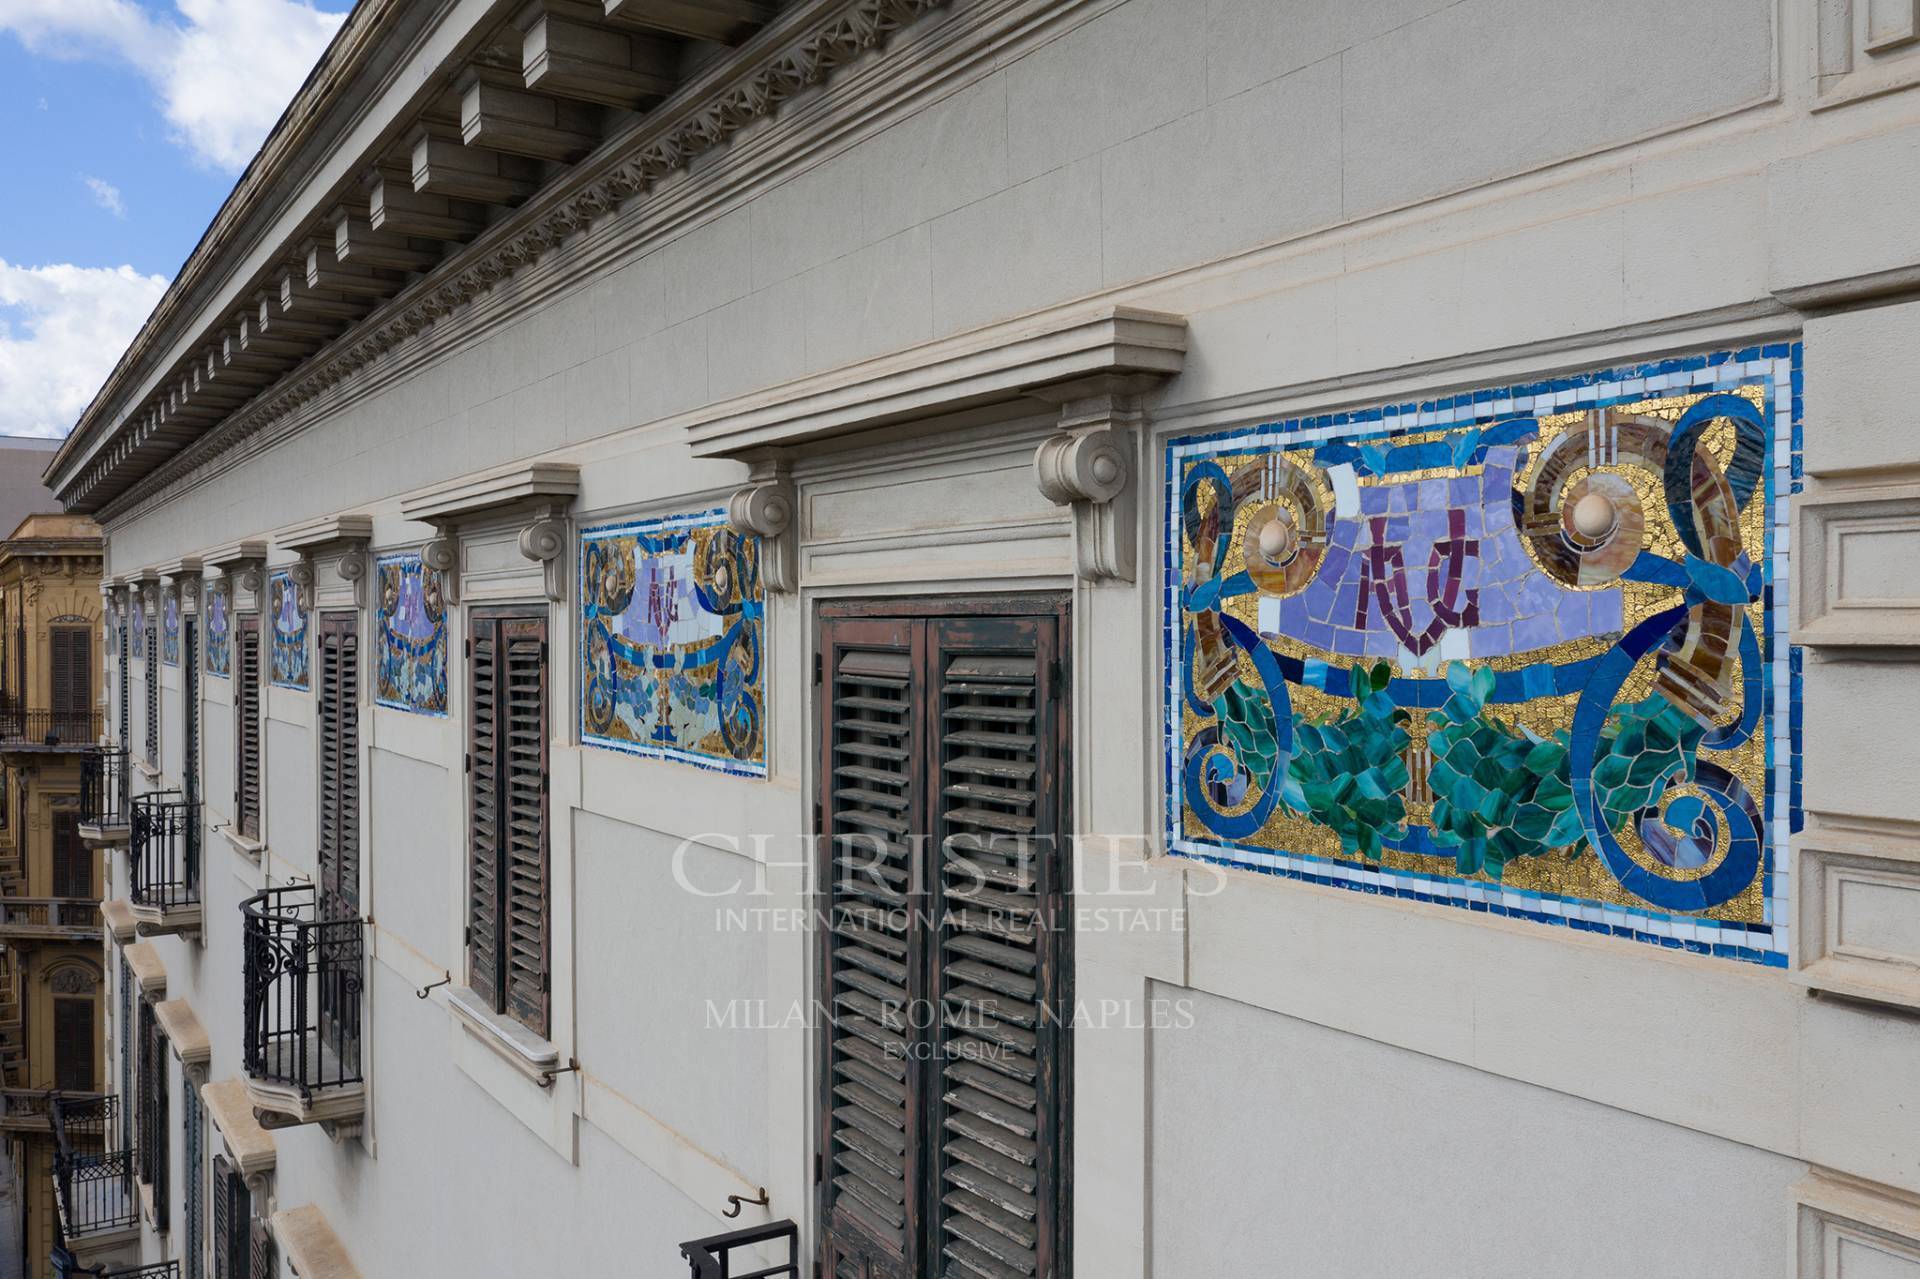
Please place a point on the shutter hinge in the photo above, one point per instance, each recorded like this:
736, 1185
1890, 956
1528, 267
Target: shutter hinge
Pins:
819, 819
546, 983
466, 936
819, 668
1056, 673
819, 1168
468, 766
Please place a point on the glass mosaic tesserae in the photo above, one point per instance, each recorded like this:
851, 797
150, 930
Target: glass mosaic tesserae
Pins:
670, 642
1519, 651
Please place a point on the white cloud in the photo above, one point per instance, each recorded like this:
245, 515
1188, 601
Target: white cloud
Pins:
61, 330
224, 69
107, 196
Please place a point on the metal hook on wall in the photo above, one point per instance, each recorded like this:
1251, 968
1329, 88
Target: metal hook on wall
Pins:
430, 987
737, 1202
548, 1076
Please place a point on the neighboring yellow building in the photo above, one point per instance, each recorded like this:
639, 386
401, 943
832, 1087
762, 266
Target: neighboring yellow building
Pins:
50, 879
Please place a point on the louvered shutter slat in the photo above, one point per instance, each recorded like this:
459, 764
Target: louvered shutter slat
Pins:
246, 702
223, 1179
483, 892
510, 946
874, 1080
992, 821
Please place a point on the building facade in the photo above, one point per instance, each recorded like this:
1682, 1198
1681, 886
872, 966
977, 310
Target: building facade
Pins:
52, 1011
1017, 638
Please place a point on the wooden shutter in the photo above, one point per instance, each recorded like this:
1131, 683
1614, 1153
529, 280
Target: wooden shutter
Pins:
944, 775
72, 859
126, 683
873, 972
153, 696
507, 924
232, 1222
339, 719
190, 697
193, 1163
73, 1045
72, 673
246, 729
126, 1054
259, 1251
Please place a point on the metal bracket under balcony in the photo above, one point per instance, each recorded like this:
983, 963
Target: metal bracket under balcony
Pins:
304, 975
714, 1257
104, 804
39, 731
93, 1176
164, 864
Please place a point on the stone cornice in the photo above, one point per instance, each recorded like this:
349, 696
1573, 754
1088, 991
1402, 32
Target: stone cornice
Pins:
325, 532
1025, 359
442, 504
708, 111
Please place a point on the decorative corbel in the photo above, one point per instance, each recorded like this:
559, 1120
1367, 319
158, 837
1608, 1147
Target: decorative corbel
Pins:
545, 540
765, 509
442, 555
1088, 464
300, 573
352, 567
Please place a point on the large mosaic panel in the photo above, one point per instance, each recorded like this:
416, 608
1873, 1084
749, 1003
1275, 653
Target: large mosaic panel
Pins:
411, 655
290, 663
670, 642
1517, 651
170, 631
219, 626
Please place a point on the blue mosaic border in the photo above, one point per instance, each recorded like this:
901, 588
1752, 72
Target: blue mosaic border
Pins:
380, 561
1780, 366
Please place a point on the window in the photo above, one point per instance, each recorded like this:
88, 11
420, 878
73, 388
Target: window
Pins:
241, 1250
155, 1130
246, 729
507, 927
153, 696
942, 1116
126, 1055
72, 681
339, 723
126, 684
72, 859
73, 1040
190, 703
193, 1165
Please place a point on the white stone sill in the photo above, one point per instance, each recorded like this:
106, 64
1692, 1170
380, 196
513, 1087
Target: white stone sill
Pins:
525, 1051
253, 850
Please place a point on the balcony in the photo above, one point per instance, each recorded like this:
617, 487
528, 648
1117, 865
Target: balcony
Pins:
93, 1176
303, 1004
105, 808
164, 864
715, 1256
36, 731
25, 919
67, 1266
30, 1110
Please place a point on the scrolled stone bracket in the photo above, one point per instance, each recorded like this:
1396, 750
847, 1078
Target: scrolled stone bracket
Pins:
545, 541
1088, 465
441, 553
765, 509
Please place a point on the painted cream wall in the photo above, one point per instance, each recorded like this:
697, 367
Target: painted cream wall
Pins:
1349, 204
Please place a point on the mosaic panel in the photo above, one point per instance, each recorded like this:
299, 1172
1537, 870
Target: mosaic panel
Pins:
1519, 651
219, 628
411, 647
170, 631
290, 663
670, 642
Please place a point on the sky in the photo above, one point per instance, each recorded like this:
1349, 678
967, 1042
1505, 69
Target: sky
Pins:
123, 126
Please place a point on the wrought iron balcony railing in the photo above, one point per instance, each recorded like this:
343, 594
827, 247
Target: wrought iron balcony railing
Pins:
714, 1257
103, 787
304, 971
164, 852
93, 1169
63, 918
67, 1266
31, 1109
48, 729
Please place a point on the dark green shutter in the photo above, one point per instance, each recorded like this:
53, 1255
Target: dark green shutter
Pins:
72, 679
